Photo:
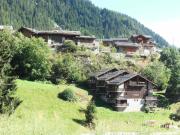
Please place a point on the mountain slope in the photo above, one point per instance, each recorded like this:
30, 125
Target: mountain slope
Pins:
73, 15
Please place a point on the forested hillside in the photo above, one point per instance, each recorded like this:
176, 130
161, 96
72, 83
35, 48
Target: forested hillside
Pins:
73, 15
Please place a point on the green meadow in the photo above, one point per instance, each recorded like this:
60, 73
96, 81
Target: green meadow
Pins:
43, 113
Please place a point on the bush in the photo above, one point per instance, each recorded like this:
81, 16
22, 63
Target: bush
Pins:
62, 81
70, 46
147, 109
163, 101
68, 95
176, 116
113, 50
31, 58
158, 73
66, 67
90, 114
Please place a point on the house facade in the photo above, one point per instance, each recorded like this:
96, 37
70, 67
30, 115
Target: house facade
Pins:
127, 47
143, 45
88, 42
112, 41
124, 91
148, 46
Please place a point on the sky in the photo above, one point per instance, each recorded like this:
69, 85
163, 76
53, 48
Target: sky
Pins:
162, 16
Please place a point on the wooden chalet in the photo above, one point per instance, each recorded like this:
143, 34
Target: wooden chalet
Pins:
124, 91
83, 40
54, 38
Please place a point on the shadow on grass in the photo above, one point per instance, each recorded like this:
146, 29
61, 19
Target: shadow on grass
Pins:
82, 110
84, 85
81, 122
100, 103
15, 103
97, 100
163, 101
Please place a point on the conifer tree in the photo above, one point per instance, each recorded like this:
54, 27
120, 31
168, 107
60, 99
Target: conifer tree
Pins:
90, 114
7, 85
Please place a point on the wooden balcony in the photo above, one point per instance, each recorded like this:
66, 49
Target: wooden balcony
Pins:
135, 93
114, 95
117, 90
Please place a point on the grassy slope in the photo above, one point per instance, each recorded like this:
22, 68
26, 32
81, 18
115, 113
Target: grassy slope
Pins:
42, 113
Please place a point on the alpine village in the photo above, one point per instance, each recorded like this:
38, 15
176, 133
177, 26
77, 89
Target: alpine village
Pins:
68, 67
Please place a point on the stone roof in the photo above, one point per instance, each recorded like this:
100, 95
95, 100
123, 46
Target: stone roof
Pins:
122, 79
115, 76
102, 72
146, 36
111, 75
127, 44
86, 37
52, 32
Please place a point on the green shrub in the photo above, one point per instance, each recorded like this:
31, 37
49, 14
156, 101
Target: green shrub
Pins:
68, 95
90, 114
83, 48
163, 101
158, 73
70, 46
62, 81
66, 67
113, 50
146, 109
31, 58
176, 116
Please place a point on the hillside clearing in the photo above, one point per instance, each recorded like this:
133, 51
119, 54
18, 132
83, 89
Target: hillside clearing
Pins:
43, 113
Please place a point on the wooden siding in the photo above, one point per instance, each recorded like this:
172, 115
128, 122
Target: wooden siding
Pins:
135, 94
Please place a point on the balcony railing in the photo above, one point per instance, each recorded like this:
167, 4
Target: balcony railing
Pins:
151, 98
116, 90
138, 94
